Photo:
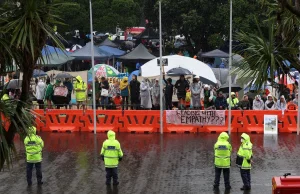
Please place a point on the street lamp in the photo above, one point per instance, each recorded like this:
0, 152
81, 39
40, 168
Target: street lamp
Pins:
229, 69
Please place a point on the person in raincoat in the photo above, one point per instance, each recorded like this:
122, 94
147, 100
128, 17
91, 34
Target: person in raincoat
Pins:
168, 92
5, 95
145, 95
281, 104
34, 147
195, 93
244, 160
258, 103
111, 154
80, 89
155, 95
270, 104
222, 160
207, 96
49, 93
134, 93
124, 88
40, 93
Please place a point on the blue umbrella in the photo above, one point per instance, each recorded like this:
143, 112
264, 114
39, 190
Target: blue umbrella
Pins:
38, 73
136, 72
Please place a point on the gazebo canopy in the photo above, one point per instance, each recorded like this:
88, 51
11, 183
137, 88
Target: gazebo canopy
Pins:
109, 43
85, 53
112, 51
215, 53
139, 53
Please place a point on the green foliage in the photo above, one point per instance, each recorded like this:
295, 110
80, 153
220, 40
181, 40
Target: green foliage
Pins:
107, 14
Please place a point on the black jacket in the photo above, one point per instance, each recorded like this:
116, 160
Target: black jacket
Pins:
104, 85
134, 86
168, 90
181, 86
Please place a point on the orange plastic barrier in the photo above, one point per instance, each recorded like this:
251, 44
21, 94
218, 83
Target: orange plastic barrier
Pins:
140, 121
236, 123
106, 120
289, 122
64, 120
286, 184
40, 119
5, 122
253, 121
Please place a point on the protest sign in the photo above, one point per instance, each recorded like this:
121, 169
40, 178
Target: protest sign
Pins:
196, 117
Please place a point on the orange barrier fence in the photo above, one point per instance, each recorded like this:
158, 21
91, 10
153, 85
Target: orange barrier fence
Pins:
149, 121
145, 121
64, 120
106, 120
5, 122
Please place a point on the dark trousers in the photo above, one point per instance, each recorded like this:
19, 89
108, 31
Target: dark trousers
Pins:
111, 173
124, 99
41, 104
135, 103
38, 168
226, 174
168, 102
246, 177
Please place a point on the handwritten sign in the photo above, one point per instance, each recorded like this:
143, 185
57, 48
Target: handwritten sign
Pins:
196, 117
60, 91
101, 71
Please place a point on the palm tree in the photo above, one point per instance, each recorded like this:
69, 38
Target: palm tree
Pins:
25, 27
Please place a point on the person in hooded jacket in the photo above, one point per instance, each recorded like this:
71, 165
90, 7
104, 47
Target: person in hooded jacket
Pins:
222, 160
168, 92
34, 147
124, 88
145, 95
49, 93
182, 86
80, 89
196, 93
258, 103
40, 93
111, 154
270, 104
156, 95
244, 160
281, 103
245, 103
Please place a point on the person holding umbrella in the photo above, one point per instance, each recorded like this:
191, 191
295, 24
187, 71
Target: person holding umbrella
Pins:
69, 85
168, 92
196, 92
182, 86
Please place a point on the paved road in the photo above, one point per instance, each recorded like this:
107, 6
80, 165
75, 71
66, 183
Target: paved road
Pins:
174, 163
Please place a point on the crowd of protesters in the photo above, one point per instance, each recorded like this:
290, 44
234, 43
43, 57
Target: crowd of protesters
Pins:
144, 95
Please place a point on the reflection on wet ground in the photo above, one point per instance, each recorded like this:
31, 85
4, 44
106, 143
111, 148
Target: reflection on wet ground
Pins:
172, 163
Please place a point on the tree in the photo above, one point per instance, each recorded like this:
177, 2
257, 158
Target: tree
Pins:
26, 25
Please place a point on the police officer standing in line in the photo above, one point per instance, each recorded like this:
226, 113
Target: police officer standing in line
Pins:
111, 154
244, 160
34, 146
222, 160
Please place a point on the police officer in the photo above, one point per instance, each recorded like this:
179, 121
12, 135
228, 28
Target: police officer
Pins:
222, 160
34, 146
111, 154
244, 159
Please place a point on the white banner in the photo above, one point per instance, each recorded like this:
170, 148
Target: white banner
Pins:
196, 117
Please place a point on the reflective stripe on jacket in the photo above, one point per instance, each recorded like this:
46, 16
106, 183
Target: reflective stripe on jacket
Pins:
222, 151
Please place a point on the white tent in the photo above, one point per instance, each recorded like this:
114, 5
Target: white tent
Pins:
198, 68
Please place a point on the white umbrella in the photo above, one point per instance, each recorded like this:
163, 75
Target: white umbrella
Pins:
76, 47
198, 68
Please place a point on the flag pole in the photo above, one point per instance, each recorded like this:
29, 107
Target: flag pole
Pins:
161, 69
229, 70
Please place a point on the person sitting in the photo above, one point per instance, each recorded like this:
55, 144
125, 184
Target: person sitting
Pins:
220, 102
281, 103
118, 101
245, 103
270, 104
258, 103
234, 101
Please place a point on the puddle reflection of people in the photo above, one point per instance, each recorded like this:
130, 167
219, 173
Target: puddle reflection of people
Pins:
112, 189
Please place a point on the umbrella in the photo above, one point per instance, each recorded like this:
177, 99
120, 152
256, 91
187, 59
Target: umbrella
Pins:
63, 76
14, 84
103, 70
215, 53
178, 71
38, 73
136, 72
234, 88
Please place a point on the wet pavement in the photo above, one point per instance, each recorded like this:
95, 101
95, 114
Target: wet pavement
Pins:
174, 163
